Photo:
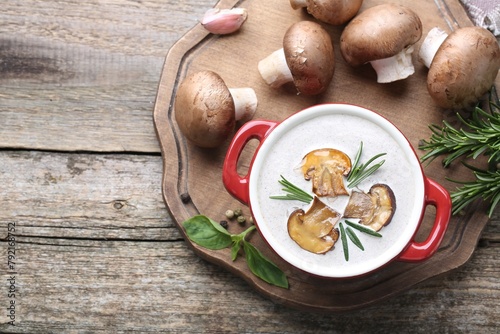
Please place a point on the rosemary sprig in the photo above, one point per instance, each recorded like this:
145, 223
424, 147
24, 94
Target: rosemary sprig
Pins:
359, 171
347, 232
354, 238
486, 186
363, 229
292, 192
345, 245
479, 135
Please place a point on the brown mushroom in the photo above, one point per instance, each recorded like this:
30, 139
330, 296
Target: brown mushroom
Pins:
326, 168
306, 59
463, 68
314, 230
335, 12
206, 109
383, 36
374, 209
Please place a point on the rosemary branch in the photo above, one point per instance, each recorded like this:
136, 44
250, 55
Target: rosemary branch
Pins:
348, 232
359, 171
363, 229
343, 238
292, 192
479, 135
486, 186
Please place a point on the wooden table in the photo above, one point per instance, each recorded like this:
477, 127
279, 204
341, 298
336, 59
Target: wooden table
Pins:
80, 174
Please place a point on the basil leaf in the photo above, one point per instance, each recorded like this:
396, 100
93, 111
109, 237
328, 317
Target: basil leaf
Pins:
237, 239
207, 233
235, 248
263, 268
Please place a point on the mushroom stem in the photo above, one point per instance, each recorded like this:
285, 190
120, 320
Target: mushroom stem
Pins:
296, 4
430, 45
394, 68
274, 69
245, 103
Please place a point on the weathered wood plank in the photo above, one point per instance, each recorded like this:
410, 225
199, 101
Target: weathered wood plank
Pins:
84, 196
83, 75
120, 286
144, 279
97, 250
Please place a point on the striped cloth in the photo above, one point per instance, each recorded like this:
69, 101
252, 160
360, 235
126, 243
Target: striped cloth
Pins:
484, 13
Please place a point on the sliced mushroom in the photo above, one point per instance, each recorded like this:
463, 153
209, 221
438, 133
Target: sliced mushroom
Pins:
335, 12
326, 168
374, 209
463, 68
383, 36
206, 109
306, 59
314, 230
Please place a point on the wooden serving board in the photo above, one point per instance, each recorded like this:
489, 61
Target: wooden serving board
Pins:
192, 180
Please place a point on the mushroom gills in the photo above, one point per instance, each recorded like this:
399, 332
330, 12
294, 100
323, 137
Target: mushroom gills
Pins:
326, 168
314, 230
374, 209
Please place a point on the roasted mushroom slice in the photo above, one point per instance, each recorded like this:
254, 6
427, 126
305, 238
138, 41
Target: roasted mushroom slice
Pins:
326, 168
374, 209
314, 230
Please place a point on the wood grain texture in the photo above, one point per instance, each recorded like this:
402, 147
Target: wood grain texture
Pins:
91, 70
104, 270
97, 248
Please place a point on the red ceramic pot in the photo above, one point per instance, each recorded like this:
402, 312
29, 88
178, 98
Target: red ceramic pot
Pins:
342, 127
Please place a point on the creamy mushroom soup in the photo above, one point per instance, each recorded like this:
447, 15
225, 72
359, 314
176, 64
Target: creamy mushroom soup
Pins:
341, 127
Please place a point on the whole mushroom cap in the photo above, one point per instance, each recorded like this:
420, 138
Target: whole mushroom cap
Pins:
464, 67
309, 55
335, 12
379, 32
204, 109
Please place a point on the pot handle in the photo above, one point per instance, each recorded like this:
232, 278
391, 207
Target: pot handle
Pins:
236, 184
439, 197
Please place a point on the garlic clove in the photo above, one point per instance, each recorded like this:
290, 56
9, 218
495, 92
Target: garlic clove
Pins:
224, 21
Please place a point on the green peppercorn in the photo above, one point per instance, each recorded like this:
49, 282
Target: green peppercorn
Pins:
229, 214
241, 219
238, 212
